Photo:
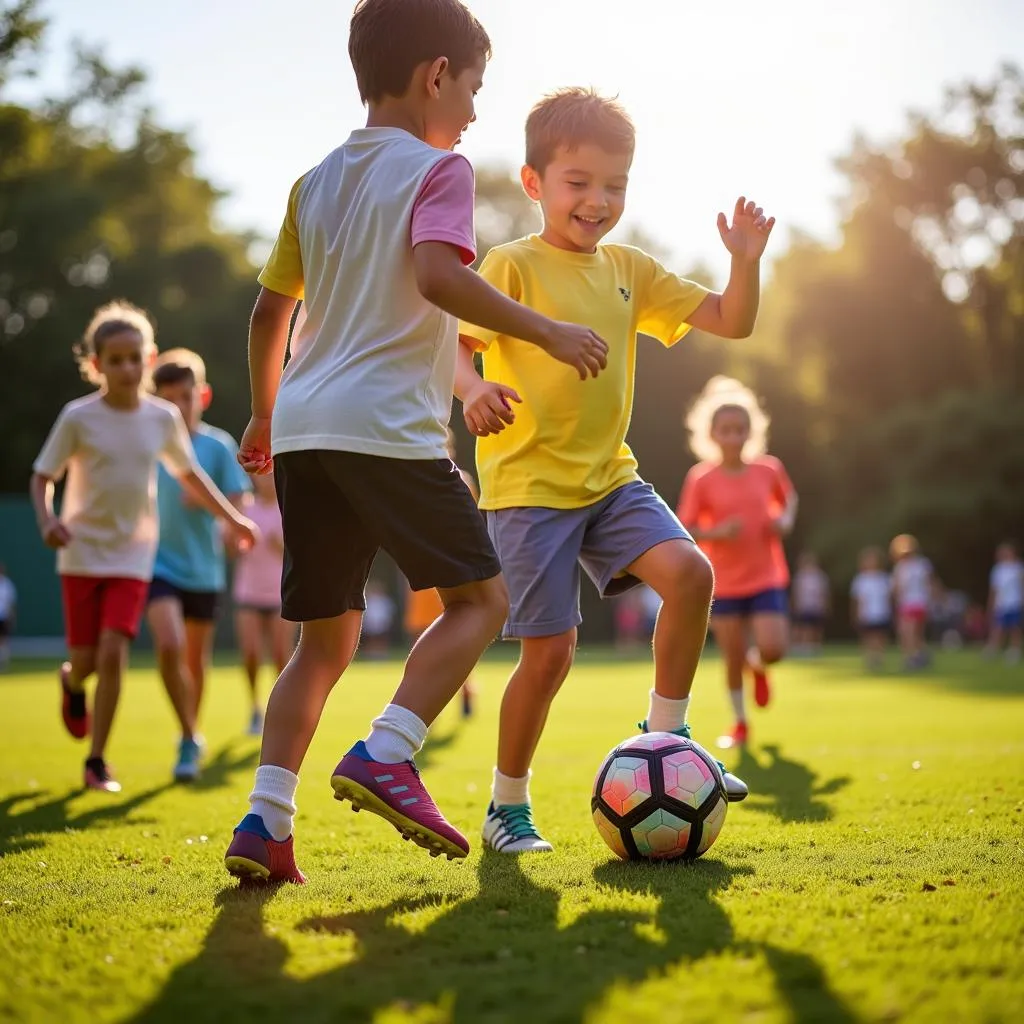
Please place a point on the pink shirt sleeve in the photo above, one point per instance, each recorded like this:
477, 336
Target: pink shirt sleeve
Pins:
443, 211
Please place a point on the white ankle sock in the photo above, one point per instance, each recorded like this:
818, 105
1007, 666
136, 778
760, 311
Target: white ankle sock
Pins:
273, 799
736, 696
666, 714
754, 659
508, 790
396, 735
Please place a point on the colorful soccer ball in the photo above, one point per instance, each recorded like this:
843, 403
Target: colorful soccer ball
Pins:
659, 797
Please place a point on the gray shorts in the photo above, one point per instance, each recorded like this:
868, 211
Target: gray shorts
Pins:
541, 551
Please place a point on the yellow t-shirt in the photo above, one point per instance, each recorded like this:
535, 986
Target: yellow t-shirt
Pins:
567, 447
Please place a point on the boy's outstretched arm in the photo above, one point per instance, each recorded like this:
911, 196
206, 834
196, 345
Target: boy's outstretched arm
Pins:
205, 493
485, 404
444, 280
268, 340
733, 313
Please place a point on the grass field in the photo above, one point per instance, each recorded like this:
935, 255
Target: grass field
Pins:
876, 873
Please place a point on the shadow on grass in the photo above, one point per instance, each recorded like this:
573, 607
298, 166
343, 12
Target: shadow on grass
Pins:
47, 815
786, 789
498, 956
29, 829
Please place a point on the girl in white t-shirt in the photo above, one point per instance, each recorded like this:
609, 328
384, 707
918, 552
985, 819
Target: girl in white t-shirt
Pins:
913, 587
871, 606
106, 533
1006, 603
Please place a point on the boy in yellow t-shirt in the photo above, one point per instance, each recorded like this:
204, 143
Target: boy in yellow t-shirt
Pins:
558, 482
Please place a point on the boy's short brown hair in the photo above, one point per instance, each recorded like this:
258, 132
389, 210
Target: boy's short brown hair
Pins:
389, 39
573, 118
176, 365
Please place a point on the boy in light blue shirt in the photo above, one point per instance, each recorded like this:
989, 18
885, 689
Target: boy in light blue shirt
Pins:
190, 574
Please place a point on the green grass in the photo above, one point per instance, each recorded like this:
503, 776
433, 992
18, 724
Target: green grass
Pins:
875, 874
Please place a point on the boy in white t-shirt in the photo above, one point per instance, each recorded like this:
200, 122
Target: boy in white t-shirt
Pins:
377, 241
106, 534
871, 608
1006, 603
913, 590
8, 606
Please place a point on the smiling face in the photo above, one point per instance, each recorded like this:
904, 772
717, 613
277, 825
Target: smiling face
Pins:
582, 193
451, 109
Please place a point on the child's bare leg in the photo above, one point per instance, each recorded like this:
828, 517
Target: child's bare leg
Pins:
730, 633
111, 658
282, 642
681, 576
448, 650
544, 663
771, 637
326, 647
248, 627
198, 654
81, 665
168, 629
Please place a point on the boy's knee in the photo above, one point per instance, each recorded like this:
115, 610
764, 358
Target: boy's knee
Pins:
549, 659
692, 579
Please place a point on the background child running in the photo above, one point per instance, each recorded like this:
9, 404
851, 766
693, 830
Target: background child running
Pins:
739, 503
109, 444
189, 575
812, 602
913, 588
377, 241
1006, 603
257, 595
871, 610
558, 481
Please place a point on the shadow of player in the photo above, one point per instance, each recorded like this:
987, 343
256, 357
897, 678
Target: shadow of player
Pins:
785, 788
493, 957
694, 925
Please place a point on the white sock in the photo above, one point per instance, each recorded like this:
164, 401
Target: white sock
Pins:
666, 714
736, 696
754, 659
396, 735
273, 799
508, 790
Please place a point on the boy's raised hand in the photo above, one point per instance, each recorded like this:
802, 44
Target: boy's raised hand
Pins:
578, 346
747, 236
486, 408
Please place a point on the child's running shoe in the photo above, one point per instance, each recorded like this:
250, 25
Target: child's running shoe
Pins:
73, 707
467, 701
510, 829
188, 767
397, 794
736, 738
735, 788
98, 776
762, 689
255, 723
256, 856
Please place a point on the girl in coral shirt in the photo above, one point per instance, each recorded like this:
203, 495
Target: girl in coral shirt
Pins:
738, 503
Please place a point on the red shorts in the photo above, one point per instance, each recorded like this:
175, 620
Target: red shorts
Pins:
93, 604
914, 613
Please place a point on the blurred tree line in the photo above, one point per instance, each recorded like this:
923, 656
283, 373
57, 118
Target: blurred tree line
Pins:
892, 363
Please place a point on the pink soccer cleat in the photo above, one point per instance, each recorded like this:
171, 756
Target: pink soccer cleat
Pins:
397, 794
256, 856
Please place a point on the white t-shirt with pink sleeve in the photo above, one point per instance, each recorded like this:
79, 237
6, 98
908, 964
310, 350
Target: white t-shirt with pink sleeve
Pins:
109, 504
258, 571
373, 362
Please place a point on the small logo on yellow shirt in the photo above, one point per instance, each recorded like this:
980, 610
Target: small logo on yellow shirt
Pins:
625, 293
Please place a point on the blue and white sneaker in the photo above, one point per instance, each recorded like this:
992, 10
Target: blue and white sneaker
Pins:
190, 754
735, 788
510, 829
255, 723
